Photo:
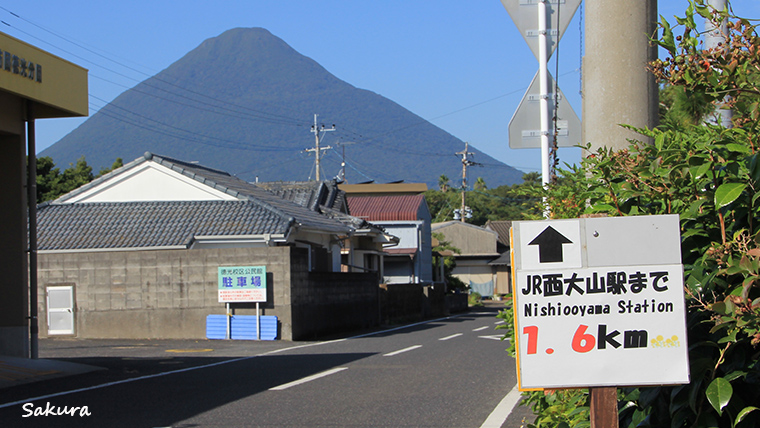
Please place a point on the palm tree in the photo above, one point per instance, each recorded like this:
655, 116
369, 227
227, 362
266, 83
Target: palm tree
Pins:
443, 183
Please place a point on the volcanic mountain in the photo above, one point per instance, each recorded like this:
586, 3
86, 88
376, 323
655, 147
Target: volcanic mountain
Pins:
244, 102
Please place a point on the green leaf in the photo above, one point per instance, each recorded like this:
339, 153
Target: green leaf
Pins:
693, 232
746, 264
728, 193
689, 20
659, 141
719, 307
703, 11
700, 170
719, 394
745, 411
720, 326
667, 41
735, 375
730, 338
738, 148
604, 207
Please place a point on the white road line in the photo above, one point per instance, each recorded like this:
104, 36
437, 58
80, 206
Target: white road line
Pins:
481, 328
219, 363
451, 337
500, 322
308, 379
400, 351
503, 409
119, 382
492, 337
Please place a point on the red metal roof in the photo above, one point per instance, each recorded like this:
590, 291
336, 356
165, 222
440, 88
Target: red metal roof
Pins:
386, 208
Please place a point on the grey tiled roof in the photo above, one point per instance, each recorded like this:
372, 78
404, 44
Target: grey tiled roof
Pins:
227, 183
150, 224
232, 185
309, 194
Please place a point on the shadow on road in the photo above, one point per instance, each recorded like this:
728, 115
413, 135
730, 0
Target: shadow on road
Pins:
164, 399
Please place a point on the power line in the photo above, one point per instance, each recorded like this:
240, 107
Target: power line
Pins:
194, 106
193, 136
192, 133
231, 109
350, 165
261, 114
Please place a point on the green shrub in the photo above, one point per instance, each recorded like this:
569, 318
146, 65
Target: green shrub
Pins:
710, 176
474, 299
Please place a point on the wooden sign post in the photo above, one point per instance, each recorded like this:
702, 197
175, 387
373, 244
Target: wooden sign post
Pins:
604, 411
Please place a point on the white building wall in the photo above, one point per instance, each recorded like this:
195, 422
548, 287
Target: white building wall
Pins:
411, 234
151, 182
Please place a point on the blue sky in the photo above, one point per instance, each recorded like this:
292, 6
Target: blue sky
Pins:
460, 64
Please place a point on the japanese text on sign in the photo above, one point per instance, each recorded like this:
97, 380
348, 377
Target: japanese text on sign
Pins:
599, 302
242, 284
571, 318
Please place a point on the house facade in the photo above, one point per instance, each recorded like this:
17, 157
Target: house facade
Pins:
408, 218
502, 266
479, 263
136, 254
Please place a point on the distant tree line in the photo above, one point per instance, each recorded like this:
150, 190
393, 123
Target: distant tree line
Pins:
52, 183
515, 202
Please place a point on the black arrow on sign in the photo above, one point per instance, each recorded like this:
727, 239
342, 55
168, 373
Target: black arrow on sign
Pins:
550, 245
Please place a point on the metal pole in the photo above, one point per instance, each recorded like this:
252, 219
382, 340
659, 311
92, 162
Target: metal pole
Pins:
543, 85
31, 189
229, 322
258, 322
543, 81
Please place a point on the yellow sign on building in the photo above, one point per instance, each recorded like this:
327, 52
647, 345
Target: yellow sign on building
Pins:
58, 86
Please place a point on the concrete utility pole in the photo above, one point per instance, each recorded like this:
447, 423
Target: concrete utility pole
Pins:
617, 87
318, 134
714, 38
465, 163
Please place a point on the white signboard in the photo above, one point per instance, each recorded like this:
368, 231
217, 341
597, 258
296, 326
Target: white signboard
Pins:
599, 302
242, 284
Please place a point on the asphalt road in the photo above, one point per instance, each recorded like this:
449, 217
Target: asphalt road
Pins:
451, 372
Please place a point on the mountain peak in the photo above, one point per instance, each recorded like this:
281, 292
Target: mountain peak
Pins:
243, 102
